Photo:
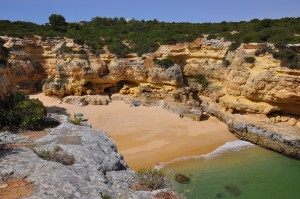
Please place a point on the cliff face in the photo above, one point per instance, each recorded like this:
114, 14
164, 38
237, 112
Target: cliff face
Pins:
262, 90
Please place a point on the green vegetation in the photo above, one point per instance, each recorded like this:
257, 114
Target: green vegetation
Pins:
164, 63
146, 36
152, 178
289, 58
250, 60
202, 80
265, 49
57, 155
226, 63
18, 111
105, 196
75, 120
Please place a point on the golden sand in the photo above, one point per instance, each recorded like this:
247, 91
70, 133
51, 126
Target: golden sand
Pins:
148, 135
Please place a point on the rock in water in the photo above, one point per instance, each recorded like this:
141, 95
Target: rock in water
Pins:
182, 178
233, 190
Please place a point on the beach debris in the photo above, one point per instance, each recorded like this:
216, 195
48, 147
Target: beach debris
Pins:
182, 178
78, 115
135, 103
233, 190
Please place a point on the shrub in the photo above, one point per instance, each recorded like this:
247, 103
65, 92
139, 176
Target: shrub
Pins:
226, 63
250, 60
152, 178
165, 63
211, 36
234, 46
17, 110
66, 49
32, 114
202, 80
289, 58
265, 49
56, 155
75, 120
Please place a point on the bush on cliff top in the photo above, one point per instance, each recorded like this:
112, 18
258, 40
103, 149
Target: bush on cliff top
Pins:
147, 36
18, 111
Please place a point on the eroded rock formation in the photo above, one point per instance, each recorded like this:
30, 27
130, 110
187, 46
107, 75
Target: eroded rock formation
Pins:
262, 90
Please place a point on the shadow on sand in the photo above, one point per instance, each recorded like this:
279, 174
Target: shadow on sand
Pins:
58, 110
205, 117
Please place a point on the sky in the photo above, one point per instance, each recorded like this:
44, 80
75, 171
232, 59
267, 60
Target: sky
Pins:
196, 11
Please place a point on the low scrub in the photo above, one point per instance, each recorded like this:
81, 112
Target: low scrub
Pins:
202, 80
250, 60
289, 58
225, 62
75, 120
164, 63
263, 50
151, 179
18, 111
56, 155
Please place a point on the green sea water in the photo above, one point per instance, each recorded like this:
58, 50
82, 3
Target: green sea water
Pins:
241, 171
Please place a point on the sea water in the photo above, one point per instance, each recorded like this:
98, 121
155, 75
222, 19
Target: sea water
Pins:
238, 169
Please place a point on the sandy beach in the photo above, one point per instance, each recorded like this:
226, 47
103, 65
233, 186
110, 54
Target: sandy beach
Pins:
148, 135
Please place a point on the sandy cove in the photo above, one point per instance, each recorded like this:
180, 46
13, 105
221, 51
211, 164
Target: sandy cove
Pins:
148, 135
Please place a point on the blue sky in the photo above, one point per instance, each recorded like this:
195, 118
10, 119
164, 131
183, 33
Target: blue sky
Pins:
38, 11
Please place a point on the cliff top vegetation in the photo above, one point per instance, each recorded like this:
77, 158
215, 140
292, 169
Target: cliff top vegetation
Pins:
146, 36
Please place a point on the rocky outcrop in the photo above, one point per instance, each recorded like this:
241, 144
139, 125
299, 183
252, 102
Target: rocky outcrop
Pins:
98, 169
88, 99
6, 76
280, 137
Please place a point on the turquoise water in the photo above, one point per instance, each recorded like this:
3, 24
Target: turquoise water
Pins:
249, 173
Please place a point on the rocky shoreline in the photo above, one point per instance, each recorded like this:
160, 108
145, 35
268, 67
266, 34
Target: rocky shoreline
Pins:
98, 169
279, 137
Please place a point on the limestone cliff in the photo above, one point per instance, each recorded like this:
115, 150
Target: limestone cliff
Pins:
262, 90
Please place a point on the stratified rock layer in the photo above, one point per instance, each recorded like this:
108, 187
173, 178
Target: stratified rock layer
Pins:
261, 91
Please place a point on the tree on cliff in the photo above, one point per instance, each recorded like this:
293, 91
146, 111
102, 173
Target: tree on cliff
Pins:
57, 21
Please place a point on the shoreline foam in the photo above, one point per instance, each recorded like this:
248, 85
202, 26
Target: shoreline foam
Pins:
231, 146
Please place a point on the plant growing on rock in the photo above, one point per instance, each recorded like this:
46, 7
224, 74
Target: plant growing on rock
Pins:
263, 50
225, 62
250, 60
56, 155
202, 80
75, 120
151, 179
165, 63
